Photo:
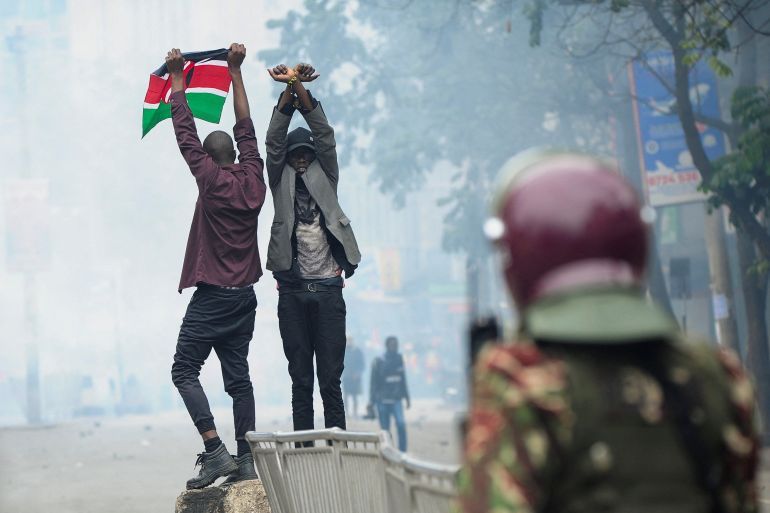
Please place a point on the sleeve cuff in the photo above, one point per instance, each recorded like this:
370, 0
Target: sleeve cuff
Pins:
178, 97
244, 124
288, 109
277, 112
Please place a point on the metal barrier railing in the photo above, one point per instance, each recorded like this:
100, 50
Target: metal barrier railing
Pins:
362, 471
349, 472
265, 453
432, 486
399, 495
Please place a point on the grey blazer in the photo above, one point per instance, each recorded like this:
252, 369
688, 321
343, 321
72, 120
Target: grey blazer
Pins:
321, 181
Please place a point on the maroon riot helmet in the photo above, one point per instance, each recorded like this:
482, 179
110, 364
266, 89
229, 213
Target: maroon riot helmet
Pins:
566, 222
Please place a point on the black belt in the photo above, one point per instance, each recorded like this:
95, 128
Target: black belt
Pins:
225, 287
307, 287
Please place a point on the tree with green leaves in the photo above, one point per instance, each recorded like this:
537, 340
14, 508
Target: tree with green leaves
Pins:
452, 82
726, 34
692, 30
438, 86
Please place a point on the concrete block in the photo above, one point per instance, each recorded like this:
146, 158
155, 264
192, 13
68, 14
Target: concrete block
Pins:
243, 497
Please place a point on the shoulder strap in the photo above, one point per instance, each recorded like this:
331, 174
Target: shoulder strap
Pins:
680, 400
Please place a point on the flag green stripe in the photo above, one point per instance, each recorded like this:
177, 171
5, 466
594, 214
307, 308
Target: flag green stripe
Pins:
151, 117
205, 106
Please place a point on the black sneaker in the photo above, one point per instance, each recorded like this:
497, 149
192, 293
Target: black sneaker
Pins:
245, 469
214, 465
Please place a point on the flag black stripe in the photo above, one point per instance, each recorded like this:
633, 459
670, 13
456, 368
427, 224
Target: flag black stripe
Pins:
209, 55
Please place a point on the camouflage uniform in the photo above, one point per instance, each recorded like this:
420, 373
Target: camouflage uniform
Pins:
524, 423
601, 404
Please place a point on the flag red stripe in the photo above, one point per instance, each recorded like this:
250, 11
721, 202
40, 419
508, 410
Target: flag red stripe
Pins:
214, 77
156, 90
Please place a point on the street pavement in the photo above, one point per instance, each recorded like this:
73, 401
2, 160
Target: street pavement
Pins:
140, 463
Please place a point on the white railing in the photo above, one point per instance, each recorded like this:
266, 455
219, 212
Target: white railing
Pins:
331, 470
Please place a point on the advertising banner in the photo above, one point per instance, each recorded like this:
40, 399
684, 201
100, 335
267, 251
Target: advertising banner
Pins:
667, 167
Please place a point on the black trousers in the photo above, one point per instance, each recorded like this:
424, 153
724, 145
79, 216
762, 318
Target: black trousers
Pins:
222, 319
313, 323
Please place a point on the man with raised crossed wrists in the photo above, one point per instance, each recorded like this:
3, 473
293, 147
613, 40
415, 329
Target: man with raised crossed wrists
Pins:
311, 245
222, 261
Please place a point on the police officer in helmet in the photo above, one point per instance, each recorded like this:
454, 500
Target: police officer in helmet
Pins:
599, 403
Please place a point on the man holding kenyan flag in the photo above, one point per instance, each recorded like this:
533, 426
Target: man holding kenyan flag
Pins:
222, 262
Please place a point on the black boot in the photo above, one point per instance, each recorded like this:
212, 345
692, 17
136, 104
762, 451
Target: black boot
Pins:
214, 465
245, 469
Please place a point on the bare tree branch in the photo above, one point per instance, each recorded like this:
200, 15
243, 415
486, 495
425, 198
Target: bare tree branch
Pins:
666, 30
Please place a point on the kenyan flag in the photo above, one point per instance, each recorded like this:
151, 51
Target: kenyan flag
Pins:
207, 83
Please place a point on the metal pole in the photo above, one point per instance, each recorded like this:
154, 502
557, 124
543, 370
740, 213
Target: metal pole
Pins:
721, 286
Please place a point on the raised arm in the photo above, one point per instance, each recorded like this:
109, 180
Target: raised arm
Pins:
323, 133
304, 73
200, 163
248, 151
275, 140
235, 57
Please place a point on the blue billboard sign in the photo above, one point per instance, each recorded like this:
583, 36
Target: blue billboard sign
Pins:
669, 175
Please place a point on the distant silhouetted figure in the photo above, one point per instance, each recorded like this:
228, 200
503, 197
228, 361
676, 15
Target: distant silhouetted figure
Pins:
352, 375
388, 389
